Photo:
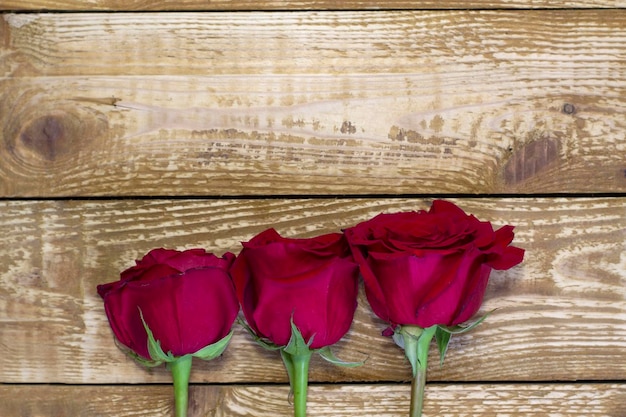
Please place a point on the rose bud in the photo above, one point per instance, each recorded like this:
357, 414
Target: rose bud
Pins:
171, 306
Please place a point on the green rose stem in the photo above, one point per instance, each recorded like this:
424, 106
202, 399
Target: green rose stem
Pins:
298, 370
181, 369
416, 342
179, 366
296, 356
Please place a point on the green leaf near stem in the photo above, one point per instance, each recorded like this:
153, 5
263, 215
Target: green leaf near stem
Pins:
296, 356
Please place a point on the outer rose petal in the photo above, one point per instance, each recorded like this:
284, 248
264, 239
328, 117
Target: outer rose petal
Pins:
126, 324
407, 281
198, 258
153, 273
473, 296
462, 282
157, 256
509, 257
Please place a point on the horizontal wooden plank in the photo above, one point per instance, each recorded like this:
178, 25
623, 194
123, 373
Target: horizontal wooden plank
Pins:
561, 314
219, 5
312, 103
556, 400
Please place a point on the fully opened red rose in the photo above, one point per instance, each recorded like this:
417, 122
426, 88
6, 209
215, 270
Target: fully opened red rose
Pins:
427, 268
298, 296
426, 272
171, 306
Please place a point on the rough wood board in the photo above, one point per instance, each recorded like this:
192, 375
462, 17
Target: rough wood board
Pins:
296, 5
528, 400
561, 314
312, 103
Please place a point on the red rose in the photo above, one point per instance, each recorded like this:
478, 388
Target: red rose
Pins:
187, 300
429, 268
314, 281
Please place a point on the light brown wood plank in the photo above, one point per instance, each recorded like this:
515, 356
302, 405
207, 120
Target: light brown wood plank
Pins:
194, 5
556, 400
312, 103
561, 314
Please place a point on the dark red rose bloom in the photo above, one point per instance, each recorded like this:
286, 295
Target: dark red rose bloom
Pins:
426, 268
187, 300
315, 281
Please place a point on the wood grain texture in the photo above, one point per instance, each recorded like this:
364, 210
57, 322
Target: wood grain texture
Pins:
312, 103
219, 5
561, 314
529, 400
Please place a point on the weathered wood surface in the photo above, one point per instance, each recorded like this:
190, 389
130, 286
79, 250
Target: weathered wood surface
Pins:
312, 103
529, 400
193, 5
561, 314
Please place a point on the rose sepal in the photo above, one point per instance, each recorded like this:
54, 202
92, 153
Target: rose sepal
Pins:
444, 334
148, 363
214, 350
325, 352
264, 343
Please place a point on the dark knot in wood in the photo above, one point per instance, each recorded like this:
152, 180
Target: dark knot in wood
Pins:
47, 137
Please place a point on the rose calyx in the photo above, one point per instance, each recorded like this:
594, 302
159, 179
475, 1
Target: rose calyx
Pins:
298, 346
416, 341
158, 356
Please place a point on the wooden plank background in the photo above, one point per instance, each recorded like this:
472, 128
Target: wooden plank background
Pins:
121, 132
528, 400
236, 103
